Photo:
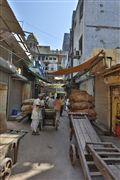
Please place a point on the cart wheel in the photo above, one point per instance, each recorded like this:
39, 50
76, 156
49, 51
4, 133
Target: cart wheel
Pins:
6, 168
72, 154
77, 155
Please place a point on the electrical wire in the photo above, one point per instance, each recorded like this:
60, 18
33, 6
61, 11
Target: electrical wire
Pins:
51, 35
5, 37
13, 53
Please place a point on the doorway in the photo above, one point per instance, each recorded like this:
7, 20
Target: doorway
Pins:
115, 106
3, 107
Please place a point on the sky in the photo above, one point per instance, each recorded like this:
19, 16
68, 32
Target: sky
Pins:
47, 19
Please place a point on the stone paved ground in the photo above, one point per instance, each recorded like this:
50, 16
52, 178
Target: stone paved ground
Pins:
45, 157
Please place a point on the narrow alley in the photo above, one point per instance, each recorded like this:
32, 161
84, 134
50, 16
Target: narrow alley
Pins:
45, 157
59, 57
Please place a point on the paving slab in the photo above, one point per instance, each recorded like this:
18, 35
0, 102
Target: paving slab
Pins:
45, 157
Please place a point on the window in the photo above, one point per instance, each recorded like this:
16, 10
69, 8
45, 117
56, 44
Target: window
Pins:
54, 58
30, 45
43, 57
50, 58
81, 11
81, 44
38, 57
46, 68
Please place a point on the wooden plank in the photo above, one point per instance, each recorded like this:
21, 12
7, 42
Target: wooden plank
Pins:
105, 149
112, 160
79, 135
91, 132
114, 146
90, 163
109, 153
102, 143
83, 131
95, 174
83, 134
115, 170
101, 165
81, 153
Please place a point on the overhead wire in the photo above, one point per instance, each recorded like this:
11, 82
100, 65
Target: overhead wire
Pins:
5, 37
49, 34
12, 53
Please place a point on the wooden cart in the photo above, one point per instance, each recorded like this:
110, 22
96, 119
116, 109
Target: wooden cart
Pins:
99, 160
49, 118
9, 144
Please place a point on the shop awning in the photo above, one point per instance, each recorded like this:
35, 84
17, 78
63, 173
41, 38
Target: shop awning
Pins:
112, 70
82, 67
19, 77
7, 66
35, 73
8, 21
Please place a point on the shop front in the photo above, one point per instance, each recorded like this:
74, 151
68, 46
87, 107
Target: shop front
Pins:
112, 78
115, 107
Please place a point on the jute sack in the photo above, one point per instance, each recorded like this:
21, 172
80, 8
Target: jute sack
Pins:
3, 123
77, 91
28, 102
81, 105
90, 113
27, 112
26, 108
74, 92
81, 96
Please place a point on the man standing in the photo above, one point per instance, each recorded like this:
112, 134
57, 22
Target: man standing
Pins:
37, 113
57, 107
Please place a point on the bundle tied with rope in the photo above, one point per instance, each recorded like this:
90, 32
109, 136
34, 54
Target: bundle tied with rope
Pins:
81, 101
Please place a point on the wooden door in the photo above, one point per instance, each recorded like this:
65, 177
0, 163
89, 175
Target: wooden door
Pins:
3, 107
115, 106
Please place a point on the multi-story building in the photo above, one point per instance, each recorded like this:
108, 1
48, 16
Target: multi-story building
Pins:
65, 49
45, 61
16, 83
95, 24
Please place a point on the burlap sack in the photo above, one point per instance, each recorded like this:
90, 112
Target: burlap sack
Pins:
3, 123
26, 108
28, 102
27, 112
73, 91
81, 105
90, 113
81, 97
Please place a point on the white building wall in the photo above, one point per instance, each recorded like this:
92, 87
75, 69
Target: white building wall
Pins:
102, 12
52, 67
99, 26
102, 25
78, 32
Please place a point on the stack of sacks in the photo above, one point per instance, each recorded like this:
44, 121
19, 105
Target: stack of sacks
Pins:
27, 106
81, 101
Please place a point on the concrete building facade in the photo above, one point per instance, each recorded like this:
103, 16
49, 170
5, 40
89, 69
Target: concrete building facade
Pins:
95, 24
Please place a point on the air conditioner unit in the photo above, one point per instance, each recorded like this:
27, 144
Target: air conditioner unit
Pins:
77, 53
